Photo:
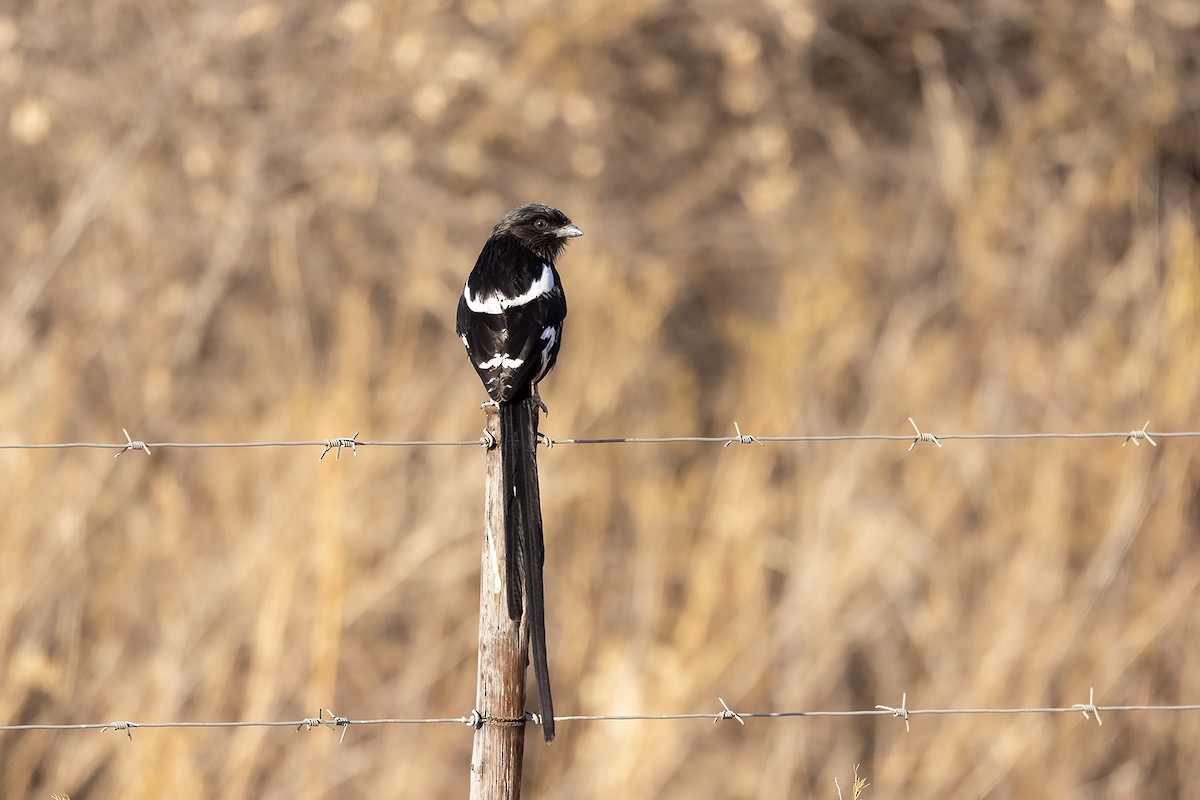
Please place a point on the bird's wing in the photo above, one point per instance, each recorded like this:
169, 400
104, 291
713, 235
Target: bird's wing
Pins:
512, 349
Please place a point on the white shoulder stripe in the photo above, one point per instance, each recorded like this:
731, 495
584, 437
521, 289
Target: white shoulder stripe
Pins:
496, 304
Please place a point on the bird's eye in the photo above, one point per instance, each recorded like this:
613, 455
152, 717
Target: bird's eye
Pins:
540, 224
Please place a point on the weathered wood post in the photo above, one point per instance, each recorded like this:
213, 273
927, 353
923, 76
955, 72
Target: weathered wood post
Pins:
498, 754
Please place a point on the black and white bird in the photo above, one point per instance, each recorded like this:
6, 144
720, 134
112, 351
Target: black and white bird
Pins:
510, 317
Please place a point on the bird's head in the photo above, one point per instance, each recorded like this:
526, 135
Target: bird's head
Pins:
542, 229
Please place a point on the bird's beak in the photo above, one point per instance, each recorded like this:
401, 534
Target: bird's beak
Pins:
568, 232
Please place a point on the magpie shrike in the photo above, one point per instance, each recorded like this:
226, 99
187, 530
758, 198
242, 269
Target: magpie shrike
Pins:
510, 318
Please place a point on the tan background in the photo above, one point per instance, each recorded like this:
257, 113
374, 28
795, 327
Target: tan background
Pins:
228, 222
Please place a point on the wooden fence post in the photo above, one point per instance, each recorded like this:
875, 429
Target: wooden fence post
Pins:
497, 757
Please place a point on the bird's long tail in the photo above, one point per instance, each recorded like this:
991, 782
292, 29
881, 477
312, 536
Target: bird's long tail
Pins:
523, 540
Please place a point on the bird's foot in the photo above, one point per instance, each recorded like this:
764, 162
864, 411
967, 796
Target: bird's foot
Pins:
488, 404
536, 400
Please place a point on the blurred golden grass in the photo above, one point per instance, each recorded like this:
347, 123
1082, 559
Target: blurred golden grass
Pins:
230, 221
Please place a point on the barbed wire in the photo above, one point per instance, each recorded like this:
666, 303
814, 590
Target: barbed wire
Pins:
476, 719
338, 444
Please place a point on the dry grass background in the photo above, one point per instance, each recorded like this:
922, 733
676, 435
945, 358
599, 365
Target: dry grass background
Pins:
230, 221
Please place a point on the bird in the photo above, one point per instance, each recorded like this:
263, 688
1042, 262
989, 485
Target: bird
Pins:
510, 319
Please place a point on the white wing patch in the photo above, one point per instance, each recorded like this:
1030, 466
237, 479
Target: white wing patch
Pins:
549, 336
501, 360
497, 304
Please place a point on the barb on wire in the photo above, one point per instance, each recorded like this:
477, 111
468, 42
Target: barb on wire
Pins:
131, 444
319, 721
728, 713
1135, 435
344, 441
1089, 706
339, 722
902, 711
743, 439
121, 726
921, 437
308, 723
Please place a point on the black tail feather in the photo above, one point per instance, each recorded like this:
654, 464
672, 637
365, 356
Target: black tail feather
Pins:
524, 542
510, 460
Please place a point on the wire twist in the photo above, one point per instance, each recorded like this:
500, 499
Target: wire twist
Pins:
921, 437
337, 444
1136, 436
902, 711
131, 445
1089, 706
728, 713
121, 726
319, 721
743, 439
